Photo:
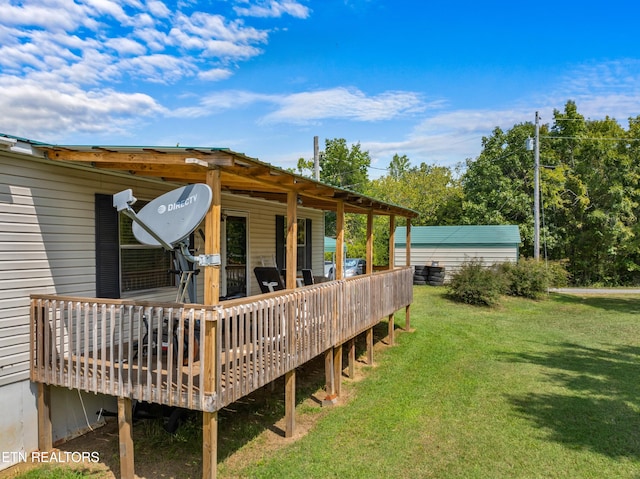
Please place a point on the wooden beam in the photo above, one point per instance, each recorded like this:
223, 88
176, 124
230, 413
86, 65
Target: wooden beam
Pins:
211, 296
213, 158
391, 330
125, 434
370, 346
45, 438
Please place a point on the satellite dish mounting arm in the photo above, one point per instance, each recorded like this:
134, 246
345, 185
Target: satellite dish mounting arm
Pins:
122, 202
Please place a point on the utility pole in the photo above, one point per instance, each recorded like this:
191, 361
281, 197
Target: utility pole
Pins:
316, 159
536, 193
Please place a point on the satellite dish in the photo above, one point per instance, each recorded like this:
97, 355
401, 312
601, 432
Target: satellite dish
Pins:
174, 215
169, 219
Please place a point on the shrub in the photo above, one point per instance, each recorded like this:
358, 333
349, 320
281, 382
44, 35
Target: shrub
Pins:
476, 284
532, 279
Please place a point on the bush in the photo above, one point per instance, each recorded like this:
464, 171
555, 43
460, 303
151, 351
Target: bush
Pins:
532, 279
527, 278
476, 284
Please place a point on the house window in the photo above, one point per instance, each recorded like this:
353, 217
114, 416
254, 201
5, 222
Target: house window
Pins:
304, 246
123, 264
141, 266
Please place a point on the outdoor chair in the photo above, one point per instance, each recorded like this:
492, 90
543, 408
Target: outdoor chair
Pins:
269, 279
307, 276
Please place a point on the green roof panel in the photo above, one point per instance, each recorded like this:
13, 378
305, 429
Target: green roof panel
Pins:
485, 235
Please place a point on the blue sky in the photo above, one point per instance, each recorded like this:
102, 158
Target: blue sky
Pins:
421, 78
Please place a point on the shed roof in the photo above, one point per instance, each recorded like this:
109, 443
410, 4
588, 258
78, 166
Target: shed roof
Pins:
485, 235
240, 174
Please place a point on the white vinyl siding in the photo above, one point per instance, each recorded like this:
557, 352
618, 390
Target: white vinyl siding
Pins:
47, 241
454, 257
262, 233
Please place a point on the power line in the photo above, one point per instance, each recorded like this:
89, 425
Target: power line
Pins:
587, 138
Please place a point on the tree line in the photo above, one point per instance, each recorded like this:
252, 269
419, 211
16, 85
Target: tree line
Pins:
589, 191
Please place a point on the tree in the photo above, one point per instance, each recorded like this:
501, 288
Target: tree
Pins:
431, 190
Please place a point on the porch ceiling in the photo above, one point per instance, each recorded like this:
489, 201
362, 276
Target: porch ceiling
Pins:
240, 174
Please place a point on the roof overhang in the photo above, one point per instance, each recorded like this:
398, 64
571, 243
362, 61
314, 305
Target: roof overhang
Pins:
239, 173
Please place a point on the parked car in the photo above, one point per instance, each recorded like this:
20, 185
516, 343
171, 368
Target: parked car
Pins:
330, 270
354, 267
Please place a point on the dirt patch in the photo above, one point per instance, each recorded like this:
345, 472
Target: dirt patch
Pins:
248, 430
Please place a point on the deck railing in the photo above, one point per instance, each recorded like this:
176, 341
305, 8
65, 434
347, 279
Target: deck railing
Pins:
152, 352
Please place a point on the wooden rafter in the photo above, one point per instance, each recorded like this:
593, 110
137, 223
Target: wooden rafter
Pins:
239, 174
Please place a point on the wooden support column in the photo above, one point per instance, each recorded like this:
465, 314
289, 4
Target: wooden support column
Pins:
407, 309
340, 240
370, 346
329, 378
392, 241
292, 239
337, 369
292, 268
391, 334
125, 434
45, 438
290, 403
352, 357
329, 355
209, 349
369, 242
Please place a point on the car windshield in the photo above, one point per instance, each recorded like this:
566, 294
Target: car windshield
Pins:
350, 263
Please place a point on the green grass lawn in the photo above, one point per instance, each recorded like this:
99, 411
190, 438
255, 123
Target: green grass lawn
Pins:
547, 389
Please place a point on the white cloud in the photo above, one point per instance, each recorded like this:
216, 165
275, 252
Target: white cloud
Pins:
343, 103
31, 110
126, 46
215, 74
301, 108
273, 8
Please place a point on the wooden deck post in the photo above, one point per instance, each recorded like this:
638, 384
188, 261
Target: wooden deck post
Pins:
340, 240
392, 241
125, 434
337, 369
407, 316
329, 379
290, 403
370, 346
209, 351
45, 440
369, 252
391, 330
292, 268
352, 357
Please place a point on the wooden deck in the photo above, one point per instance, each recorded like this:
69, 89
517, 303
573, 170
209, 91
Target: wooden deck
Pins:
104, 346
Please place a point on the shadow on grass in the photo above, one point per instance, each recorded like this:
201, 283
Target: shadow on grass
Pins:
628, 305
599, 410
160, 454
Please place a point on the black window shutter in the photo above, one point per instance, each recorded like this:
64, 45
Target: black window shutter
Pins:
280, 254
308, 250
107, 248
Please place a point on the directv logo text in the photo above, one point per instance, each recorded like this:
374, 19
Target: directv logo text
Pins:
176, 206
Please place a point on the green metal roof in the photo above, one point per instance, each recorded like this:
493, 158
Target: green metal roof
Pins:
484, 235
